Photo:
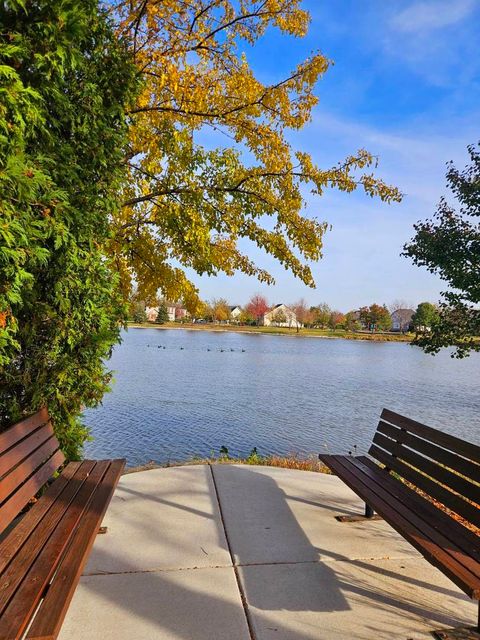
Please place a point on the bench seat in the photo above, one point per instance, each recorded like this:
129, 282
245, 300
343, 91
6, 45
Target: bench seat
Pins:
443, 541
44, 551
426, 485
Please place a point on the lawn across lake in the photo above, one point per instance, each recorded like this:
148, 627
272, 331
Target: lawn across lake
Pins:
315, 333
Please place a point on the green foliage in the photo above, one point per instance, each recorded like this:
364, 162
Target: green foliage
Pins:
291, 461
351, 322
254, 457
337, 319
246, 317
449, 245
162, 314
321, 315
425, 317
139, 314
65, 81
376, 317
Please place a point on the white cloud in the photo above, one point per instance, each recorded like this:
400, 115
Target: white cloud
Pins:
412, 157
428, 16
437, 39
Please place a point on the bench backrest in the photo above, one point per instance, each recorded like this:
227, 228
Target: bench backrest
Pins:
443, 466
29, 455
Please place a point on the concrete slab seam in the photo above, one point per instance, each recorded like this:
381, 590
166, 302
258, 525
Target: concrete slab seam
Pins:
246, 564
156, 570
241, 590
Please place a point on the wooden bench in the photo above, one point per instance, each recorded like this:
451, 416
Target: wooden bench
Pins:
43, 552
427, 487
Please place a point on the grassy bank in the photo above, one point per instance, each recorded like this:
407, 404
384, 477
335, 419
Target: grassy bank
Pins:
284, 462
279, 331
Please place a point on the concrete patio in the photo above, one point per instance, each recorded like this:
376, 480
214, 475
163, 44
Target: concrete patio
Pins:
242, 553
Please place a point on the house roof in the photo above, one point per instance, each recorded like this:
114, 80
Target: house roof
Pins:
277, 306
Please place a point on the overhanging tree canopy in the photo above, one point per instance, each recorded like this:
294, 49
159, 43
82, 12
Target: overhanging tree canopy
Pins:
188, 205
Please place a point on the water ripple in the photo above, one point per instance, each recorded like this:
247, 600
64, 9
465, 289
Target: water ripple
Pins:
281, 395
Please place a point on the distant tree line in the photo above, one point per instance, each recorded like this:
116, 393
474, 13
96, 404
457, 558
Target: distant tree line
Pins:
373, 318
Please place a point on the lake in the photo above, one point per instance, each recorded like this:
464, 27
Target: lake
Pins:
180, 393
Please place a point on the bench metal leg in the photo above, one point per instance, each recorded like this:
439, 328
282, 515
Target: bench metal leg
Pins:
369, 515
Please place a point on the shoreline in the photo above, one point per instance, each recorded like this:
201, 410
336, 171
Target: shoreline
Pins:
292, 461
277, 331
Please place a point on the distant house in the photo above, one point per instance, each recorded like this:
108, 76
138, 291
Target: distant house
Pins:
175, 312
402, 319
235, 312
180, 312
172, 311
151, 313
280, 316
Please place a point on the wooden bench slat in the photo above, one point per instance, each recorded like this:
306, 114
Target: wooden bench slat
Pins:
428, 467
53, 608
21, 497
58, 530
456, 531
17, 536
443, 456
466, 449
406, 506
17, 565
36, 575
21, 429
25, 448
467, 581
17, 477
20, 608
425, 515
435, 490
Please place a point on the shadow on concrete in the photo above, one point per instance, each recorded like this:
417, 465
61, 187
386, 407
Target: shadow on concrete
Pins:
328, 554
263, 534
163, 605
298, 576
339, 509
168, 503
263, 531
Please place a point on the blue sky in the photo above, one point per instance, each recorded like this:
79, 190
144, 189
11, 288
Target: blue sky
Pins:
405, 85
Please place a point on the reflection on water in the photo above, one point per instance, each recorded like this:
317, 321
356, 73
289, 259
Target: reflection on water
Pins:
180, 393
